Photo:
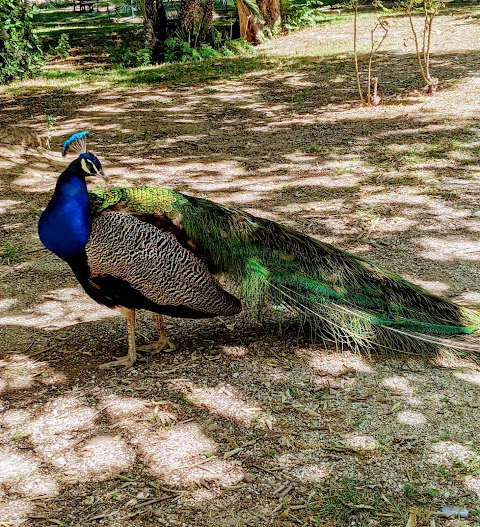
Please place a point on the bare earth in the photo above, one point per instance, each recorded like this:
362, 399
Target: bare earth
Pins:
241, 426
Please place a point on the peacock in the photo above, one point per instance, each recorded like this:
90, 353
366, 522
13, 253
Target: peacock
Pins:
164, 251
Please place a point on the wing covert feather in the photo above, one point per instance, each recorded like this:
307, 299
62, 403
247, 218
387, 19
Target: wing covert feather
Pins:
154, 263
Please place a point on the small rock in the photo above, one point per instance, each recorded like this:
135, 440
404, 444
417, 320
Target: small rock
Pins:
143, 494
212, 427
249, 477
59, 462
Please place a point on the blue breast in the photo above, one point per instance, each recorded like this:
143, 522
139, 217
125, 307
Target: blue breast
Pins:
64, 227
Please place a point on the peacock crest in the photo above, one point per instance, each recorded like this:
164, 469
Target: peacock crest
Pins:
76, 143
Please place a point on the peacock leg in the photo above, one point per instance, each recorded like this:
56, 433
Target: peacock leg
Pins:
163, 342
130, 359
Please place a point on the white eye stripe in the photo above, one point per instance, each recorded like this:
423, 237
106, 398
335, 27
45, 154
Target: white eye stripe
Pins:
84, 165
88, 165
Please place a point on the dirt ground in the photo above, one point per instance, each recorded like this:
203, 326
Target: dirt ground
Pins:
242, 426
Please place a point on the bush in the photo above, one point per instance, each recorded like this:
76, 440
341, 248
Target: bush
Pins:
179, 51
62, 49
301, 13
55, 4
20, 53
238, 46
123, 55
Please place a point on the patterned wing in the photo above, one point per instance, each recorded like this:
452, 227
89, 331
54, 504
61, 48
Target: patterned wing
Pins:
154, 264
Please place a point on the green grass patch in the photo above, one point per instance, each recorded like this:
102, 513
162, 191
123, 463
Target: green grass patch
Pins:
84, 30
10, 254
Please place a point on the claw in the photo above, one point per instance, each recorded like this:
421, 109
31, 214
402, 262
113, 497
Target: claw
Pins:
126, 361
162, 344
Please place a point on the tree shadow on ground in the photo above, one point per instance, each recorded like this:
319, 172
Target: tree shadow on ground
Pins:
212, 432
322, 435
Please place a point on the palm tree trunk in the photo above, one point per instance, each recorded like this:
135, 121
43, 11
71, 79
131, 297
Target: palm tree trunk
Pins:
189, 10
248, 25
271, 12
155, 22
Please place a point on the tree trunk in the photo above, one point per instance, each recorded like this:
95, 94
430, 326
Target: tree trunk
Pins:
189, 10
271, 12
155, 23
248, 25
208, 11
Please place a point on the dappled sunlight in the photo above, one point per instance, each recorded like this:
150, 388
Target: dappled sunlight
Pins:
99, 457
439, 249
454, 361
408, 417
313, 472
39, 177
19, 372
361, 442
446, 453
122, 407
7, 303
16, 467
473, 483
104, 108
22, 474
472, 377
234, 351
169, 141
16, 509
184, 455
51, 431
239, 425
125, 411
400, 385
436, 287
337, 364
6, 205
411, 394
223, 400
61, 308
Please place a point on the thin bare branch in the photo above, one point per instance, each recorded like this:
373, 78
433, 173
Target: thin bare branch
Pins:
373, 49
415, 39
355, 54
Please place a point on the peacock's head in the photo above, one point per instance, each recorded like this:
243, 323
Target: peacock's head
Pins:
88, 165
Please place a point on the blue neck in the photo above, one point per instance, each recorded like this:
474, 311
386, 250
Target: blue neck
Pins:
64, 226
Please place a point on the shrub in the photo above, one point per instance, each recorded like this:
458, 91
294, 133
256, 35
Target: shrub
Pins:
301, 13
20, 53
125, 56
62, 49
177, 50
238, 46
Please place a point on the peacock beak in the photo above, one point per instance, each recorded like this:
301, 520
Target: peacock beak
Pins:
102, 174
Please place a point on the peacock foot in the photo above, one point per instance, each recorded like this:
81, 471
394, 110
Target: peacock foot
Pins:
162, 344
126, 361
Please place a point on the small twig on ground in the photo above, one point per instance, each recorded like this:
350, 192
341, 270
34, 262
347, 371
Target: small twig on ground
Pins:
266, 470
194, 464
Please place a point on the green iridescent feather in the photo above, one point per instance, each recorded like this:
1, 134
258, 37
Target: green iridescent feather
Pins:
342, 296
